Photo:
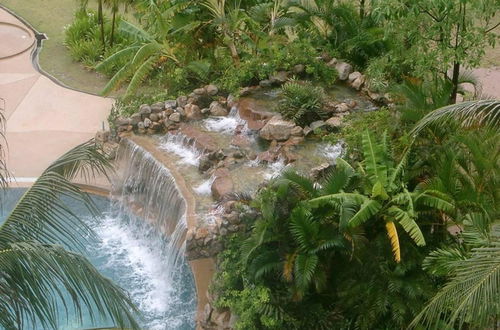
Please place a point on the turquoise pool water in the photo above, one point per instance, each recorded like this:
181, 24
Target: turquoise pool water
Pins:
132, 253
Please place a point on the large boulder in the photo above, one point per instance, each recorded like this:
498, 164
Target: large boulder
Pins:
223, 184
217, 109
354, 75
358, 82
277, 129
343, 69
193, 112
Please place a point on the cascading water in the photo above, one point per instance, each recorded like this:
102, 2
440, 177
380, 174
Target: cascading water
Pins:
227, 125
144, 232
183, 147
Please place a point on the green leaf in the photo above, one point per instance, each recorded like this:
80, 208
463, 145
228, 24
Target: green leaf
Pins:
368, 209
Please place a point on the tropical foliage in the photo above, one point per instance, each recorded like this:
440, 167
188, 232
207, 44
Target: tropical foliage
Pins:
302, 103
39, 270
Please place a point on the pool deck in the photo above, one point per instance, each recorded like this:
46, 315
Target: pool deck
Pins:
43, 119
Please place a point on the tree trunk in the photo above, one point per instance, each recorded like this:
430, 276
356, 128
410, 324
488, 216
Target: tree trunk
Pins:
362, 9
454, 81
113, 26
100, 20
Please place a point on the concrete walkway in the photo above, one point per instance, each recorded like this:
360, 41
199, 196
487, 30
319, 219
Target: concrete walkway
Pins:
43, 119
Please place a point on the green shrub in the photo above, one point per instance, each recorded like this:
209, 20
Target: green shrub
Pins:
302, 103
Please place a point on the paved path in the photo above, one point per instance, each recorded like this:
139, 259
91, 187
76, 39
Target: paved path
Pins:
44, 120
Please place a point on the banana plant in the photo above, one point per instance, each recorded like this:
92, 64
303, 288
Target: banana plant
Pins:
383, 195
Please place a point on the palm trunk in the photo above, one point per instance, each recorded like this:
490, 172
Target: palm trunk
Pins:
113, 26
100, 20
454, 81
362, 9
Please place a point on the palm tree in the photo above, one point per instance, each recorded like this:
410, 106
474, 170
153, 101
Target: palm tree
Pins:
228, 21
472, 293
383, 195
36, 267
148, 52
482, 113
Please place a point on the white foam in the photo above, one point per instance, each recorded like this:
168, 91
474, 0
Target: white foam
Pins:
137, 257
226, 125
205, 188
274, 170
331, 151
179, 145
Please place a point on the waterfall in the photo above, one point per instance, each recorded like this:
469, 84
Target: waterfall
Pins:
182, 146
227, 125
145, 187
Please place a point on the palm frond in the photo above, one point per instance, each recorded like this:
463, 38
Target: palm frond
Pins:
42, 215
37, 276
408, 223
468, 114
472, 295
135, 32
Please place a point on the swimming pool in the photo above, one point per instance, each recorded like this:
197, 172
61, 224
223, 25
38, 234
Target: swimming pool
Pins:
134, 255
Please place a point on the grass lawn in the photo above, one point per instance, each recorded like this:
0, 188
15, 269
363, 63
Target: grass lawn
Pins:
50, 17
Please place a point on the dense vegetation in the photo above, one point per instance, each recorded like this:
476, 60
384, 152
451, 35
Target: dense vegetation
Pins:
402, 233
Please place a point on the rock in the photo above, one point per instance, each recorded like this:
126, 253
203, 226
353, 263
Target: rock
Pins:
342, 107
212, 90
277, 129
147, 122
201, 233
299, 68
182, 101
246, 91
354, 75
332, 62
140, 125
156, 127
205, 111
319, 171
122, 121
221, 319
231, 101
279, 78
170, 104
193, 112
290, 157
238, 154
144, 111
325, 57
199, 91
135, 119
175, 117
307, 130
217, 109
352, 104
359, 82
155, 117
180, 110
204, 164
317, 125
334, 122
102, 136
223, 184
157, 107
294, 140
343, 69
168, 112
207, 312
240, 141
297, 131
265, 83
